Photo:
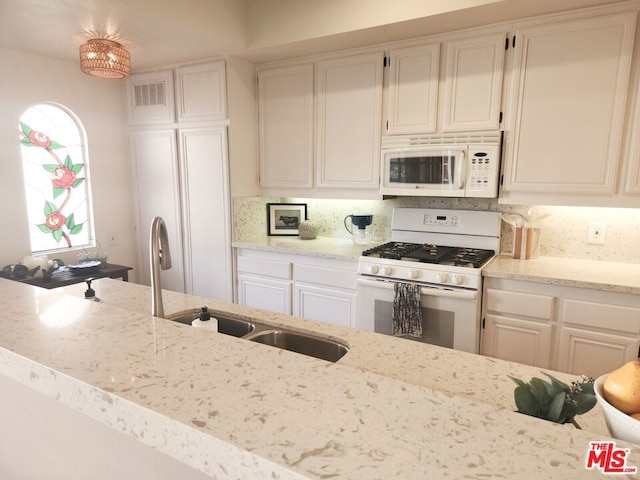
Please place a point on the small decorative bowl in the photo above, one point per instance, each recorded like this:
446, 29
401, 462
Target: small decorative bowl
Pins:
93, 257
619, 424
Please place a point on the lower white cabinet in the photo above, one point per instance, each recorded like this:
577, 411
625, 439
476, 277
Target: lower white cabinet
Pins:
574, 330
316, 288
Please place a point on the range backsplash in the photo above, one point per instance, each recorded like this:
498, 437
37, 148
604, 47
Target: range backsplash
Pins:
564, 232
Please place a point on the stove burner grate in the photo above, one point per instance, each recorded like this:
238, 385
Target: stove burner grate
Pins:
436, 254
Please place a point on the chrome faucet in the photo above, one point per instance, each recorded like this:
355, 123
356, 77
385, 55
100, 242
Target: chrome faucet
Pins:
160, 259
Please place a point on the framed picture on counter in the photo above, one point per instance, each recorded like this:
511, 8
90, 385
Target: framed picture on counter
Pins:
285, 218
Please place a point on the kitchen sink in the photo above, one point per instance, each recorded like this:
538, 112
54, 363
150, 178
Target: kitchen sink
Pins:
298, 342
303, 343
227, 325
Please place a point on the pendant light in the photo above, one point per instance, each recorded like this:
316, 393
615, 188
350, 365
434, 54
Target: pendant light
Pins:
105, 58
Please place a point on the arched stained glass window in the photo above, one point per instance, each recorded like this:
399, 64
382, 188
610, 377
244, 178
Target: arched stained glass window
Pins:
56, 177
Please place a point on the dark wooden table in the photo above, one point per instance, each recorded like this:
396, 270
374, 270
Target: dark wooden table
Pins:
63, 277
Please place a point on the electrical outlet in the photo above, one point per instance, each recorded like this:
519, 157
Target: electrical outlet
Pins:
597, 233
113, 241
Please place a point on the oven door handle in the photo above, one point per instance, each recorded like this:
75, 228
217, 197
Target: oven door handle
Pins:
431, 291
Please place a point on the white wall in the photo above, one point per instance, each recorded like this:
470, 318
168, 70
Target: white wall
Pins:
29, 79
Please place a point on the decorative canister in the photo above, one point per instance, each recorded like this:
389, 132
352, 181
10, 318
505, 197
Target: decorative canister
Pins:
308, 230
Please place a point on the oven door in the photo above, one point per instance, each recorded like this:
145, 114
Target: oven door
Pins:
450, 318
430, 171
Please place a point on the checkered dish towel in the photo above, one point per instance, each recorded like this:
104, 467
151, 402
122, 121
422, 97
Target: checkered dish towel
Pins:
407, 315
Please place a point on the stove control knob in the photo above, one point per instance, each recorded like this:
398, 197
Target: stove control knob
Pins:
456, 279
414, 274
442, 277
374, 269
386, 270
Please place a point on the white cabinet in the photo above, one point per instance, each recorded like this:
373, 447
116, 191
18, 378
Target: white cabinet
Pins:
326, 291
413, 89
157, 193
472, 83
285, 124
464, 95
206, 212
201, 92
264, 281
573, 330
349, 96
566, 105
344, 159
180, 169
312, 287
518, 326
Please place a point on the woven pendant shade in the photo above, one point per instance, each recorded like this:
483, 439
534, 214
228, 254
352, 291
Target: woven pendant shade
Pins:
105, 58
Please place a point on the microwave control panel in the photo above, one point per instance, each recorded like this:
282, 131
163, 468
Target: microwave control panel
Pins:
482, 170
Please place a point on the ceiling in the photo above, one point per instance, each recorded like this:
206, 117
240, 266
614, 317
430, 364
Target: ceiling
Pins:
167, 32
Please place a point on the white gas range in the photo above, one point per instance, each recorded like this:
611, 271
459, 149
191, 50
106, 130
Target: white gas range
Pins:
442, 251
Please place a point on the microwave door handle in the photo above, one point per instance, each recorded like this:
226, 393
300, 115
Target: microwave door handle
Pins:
461, 170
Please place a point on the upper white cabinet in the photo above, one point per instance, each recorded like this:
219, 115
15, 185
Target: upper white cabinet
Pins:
150, 98
201, 92
472, 83
458, 91
413, 89
567, 105
320, 127
348, 130
285, 121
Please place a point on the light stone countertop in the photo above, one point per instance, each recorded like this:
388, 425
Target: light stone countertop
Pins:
391, 408
335, 248
599, 275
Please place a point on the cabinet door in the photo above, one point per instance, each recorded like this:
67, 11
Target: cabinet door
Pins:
413, 89
201, 92
207, 217
285, 122
349, 94
567, 105
325, 305
517, 340
157, 187
586, 352
264, 293
472, 86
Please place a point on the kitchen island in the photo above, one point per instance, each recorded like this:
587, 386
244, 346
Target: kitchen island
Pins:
230, 408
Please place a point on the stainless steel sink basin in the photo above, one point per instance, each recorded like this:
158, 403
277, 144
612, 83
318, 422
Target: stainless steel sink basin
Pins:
227, 325
305, 344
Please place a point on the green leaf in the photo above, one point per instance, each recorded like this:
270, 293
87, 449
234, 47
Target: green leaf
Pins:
67, 162
44, 228
70, 222
26, 142
49, 208
555, 408
561, 385
517, 380
585, 402
57, 191
525, 401
57, 235
77, 182
539, 390
76, 229
26, 129
51, 167
54, 146
77, 167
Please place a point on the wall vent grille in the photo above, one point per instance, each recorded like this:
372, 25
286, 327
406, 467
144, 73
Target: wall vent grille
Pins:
150, 94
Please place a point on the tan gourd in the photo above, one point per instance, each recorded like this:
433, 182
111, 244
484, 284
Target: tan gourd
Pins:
622, 388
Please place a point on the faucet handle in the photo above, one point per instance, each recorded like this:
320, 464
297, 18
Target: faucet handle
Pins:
204, 314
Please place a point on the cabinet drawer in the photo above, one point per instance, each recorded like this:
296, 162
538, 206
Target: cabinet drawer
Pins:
325, 276
264, 266
602, 315
526, 304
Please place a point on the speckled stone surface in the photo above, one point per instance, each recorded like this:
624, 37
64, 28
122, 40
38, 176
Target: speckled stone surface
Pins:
599, 275
340, 249
233, 409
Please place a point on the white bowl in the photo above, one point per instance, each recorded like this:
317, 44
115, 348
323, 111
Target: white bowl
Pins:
620, 425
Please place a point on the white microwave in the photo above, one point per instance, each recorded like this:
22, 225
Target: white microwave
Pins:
444, 165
